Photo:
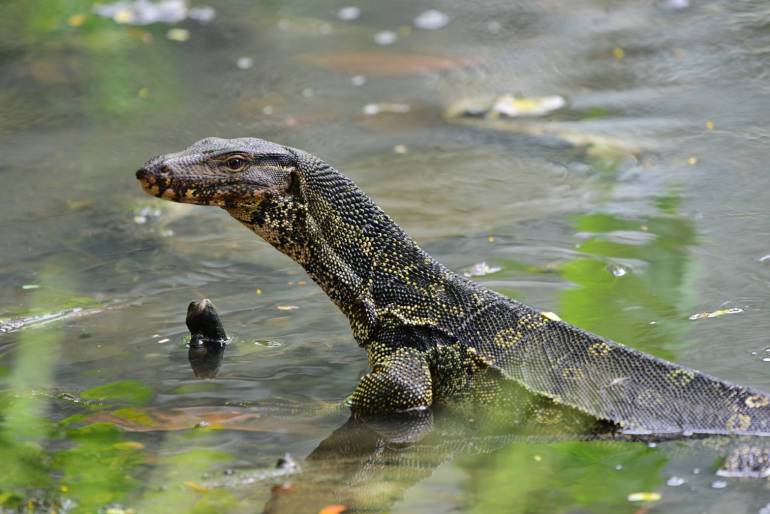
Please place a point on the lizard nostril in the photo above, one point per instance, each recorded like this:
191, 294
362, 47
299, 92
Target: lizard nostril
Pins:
150, 172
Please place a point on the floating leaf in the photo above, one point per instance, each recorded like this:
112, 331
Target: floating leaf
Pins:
644, 497
349, 13
196, 486
177, 34
244, 63
386, 37
373, 109
431, 20
716, 313
266, 343
506, 106
513, 107
675, 481
481, 269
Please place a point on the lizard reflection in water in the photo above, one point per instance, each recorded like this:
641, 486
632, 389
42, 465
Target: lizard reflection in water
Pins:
429, 333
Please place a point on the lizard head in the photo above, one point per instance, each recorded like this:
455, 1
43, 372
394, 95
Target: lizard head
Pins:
296, 202
257, 182
222, 172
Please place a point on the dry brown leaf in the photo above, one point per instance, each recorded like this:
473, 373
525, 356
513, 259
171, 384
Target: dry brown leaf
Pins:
196, 486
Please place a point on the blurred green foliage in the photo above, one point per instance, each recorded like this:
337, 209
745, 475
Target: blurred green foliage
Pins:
82, 67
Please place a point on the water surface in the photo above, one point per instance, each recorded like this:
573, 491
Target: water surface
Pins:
101, 408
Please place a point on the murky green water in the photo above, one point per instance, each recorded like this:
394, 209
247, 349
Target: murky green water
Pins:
665, 218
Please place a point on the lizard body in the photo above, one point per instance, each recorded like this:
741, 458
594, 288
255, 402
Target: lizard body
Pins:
430, 333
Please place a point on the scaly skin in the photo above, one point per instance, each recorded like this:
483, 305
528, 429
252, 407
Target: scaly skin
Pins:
429, 333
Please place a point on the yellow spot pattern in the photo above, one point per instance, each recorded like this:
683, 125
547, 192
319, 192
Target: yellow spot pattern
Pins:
551, 315
508, 337
599, 349
681, 377
756, 401
572, 373
407, 314
649, 397
738, 422
532, 321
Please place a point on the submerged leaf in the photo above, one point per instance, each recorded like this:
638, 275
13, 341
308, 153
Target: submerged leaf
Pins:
196, 486
134, 392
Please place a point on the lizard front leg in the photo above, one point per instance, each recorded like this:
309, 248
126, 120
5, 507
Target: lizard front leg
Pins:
399, 381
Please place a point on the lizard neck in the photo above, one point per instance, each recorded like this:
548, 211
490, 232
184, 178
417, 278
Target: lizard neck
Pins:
360, 257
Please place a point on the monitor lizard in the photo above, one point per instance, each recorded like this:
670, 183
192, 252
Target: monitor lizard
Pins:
429, 332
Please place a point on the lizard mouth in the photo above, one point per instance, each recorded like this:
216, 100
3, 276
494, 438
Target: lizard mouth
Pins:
161, 182
157, 184
200, 187
146, 179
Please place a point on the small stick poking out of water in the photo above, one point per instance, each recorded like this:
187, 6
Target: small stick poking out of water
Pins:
207, 338
204, 323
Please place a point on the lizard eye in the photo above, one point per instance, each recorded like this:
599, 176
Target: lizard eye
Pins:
235, 163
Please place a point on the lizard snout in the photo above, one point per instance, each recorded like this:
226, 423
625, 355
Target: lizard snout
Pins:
143, 174
155, 180
153, 171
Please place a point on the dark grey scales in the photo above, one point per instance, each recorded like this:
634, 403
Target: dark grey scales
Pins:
429, 333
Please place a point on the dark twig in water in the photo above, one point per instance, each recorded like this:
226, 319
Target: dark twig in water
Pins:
207, 338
